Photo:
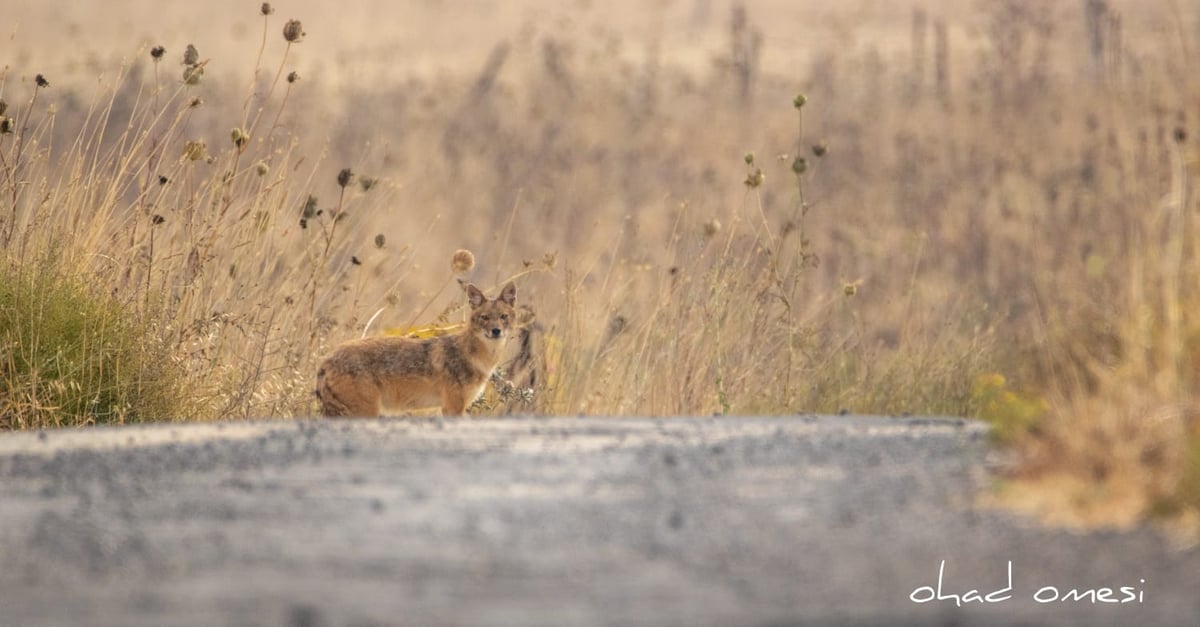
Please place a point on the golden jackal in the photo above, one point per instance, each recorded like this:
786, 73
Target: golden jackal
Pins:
365, 377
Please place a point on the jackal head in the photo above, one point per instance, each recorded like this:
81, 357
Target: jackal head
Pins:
492, 319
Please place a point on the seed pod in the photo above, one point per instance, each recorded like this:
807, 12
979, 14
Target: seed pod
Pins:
293, 31
462, 262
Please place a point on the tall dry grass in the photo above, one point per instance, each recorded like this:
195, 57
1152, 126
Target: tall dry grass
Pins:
993, 217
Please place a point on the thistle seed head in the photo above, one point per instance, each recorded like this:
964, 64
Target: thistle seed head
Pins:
755, 178
191, 56
6, 125
345, 177
462, 262
157, 53
239, 137
195, 150
293, 76
800, 165
293, 31
380, 240
192, 74
261, 168
41, 81
266, 8
799, 101
310, 207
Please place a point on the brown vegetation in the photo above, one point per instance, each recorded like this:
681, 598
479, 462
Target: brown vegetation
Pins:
987, 212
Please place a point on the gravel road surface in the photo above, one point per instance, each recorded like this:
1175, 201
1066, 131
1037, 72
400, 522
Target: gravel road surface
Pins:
565, 521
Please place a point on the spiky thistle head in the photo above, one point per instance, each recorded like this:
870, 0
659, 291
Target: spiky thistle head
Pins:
293, 31
462, 262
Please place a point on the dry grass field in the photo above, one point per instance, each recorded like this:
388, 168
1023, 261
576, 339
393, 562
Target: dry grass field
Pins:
977, 208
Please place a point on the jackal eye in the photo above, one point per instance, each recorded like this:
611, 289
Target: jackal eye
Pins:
504, 316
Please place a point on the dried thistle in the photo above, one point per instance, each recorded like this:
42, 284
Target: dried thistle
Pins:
293, 76
800, 165
266, 8
239, 137
755, 178
820, 150
6, 125
157, 219
799, 101
157, 53
749, 158
41, 81
192, 74
191, 56
367, 182
261, 168
293, 31
380, 240
195, 150
309, 209
462, 262
712, 227
345, 177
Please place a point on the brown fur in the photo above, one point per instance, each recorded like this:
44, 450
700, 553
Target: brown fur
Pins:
368, 376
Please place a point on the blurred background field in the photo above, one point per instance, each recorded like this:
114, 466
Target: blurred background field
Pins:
981, 209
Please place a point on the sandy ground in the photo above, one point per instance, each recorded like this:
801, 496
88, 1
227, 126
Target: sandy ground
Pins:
592, 521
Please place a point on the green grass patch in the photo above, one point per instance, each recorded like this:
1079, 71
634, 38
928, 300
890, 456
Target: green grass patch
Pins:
70, 355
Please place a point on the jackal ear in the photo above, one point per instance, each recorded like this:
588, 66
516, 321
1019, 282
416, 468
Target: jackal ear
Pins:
509, 294
474, 296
